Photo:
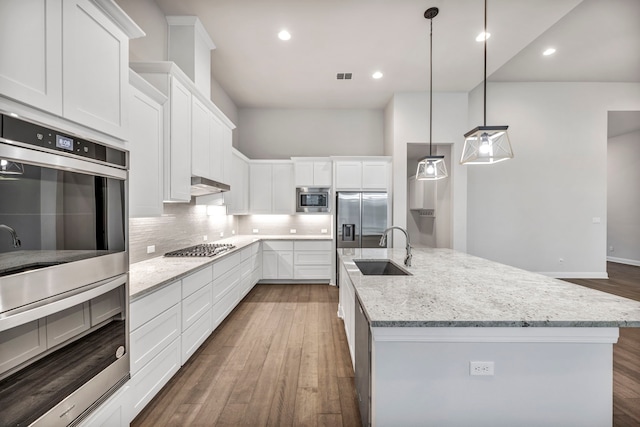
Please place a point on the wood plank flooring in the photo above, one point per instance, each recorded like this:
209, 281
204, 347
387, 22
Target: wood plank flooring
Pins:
280, 359
624, 280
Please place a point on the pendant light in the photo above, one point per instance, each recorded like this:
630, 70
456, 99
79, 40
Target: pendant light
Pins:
485, 145
431, 167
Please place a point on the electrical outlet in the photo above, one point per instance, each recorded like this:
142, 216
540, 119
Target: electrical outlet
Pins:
151, 249
596, 220
233, 232
610, 248
292, 231
205, 238
481, 368
323, 230
561, 260
256, 231
222, 234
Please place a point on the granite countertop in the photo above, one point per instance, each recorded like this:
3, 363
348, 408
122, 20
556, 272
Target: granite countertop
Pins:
453, 289
147, 276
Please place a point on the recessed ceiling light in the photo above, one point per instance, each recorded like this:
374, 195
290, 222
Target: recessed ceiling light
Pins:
549, 51
481, 37
284, 35
377, 75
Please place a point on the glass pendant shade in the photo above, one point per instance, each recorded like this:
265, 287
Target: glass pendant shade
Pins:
486, 145
11, 168
431, 168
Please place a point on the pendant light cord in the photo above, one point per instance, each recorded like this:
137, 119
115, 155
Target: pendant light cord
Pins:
431, 82
485, 62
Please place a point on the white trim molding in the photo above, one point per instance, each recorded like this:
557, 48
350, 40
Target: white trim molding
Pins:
624, 261
575, 274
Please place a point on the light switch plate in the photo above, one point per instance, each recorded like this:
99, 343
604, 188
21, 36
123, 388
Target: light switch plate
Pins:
292, 231
256, 231
151, 249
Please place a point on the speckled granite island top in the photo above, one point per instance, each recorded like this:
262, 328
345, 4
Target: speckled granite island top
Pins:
454, 289
147, 276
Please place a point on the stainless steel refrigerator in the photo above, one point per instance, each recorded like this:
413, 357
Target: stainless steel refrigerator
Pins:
361, 217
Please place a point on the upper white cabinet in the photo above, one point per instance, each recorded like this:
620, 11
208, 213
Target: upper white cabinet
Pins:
237, 200
197, 134
145, 148
362, 173
312, 172
69, 58
271, 188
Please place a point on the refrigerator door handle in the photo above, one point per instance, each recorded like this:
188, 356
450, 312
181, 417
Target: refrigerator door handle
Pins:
348, 232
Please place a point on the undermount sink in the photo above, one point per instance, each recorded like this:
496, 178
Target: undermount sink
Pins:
380, 267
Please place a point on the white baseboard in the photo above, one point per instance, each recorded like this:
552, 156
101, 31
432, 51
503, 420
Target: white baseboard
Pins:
624, 261
575, 274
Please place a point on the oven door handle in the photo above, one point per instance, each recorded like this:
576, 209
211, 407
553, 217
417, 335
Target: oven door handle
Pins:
40, 309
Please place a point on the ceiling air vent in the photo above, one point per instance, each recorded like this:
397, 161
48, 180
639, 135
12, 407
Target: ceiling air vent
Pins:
344, 76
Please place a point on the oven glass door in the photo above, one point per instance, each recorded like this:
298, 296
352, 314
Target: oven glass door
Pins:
58, 216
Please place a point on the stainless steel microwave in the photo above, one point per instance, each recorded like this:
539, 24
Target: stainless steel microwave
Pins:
313, 200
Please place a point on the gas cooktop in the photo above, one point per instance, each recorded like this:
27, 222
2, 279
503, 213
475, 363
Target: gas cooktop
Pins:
202, 250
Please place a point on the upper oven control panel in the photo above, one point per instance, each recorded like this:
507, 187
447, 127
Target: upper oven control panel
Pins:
29, 133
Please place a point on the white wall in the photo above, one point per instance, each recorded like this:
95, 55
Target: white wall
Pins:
411, 124
623, 198
540, 207
269, 133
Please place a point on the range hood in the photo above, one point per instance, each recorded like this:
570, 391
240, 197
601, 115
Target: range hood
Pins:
202, 186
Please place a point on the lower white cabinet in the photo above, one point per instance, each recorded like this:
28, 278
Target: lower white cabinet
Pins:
277, 259
153, 376
312, 260
195, 335
114, 412
347, 304
151, 338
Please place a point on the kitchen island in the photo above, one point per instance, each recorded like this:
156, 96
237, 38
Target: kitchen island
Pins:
548, 342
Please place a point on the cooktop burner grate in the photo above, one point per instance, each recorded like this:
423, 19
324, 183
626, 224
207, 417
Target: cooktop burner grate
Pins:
202, 250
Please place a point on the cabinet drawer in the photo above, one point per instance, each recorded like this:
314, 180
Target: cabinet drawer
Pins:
223, 307
312, 258
226, 264
197, 280
277, 245
114, 412
224, 284
149, 306
245, 253
151, 338
195, 305
67, 324
193, 337
22, 343
311, 245
313, 272
246, 268
150, 379
106, 306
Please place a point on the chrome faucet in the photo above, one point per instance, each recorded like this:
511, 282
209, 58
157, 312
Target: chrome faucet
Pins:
383, 242
14, 236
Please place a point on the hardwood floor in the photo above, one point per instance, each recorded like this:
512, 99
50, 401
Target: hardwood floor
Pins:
279, 359
624, 280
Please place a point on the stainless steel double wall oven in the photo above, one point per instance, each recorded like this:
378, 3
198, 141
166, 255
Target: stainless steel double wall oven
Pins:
63, 274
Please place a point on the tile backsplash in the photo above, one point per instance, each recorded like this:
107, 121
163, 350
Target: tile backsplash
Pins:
180, 226
184, 225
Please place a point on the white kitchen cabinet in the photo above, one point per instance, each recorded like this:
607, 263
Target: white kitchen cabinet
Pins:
312, 173
347, 304
271, 188
362, 174
177, 152
145, 148
197, 333
201, 139
277, 259
151, 338
196, 305
114, 412
217, 156
71, 60
21, 343
68, 323
237, 200
312, 260
31, 69
226, 142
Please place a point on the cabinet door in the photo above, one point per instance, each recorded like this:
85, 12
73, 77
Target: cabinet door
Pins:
348, 175
216, 145
303, 174
178, 150
260, 188
285, 264
269, 265
31, 53
227, 142
114, 412
145, 156
374, 175
201, 118
322, 173
96, 68
239, 195
283, 189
